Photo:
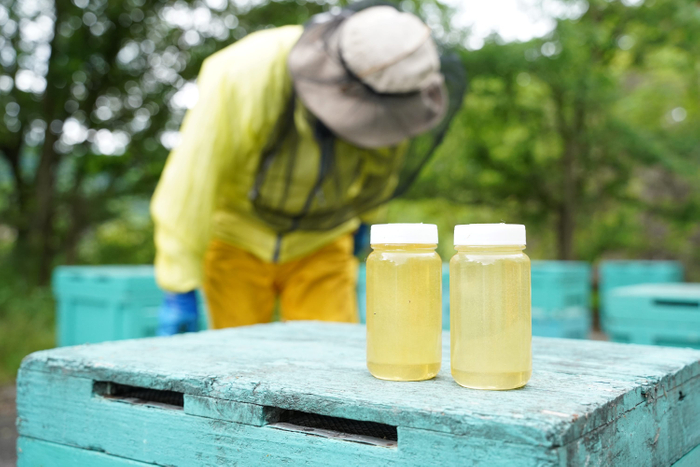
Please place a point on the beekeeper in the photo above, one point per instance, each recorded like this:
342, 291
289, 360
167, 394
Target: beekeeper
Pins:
298, 131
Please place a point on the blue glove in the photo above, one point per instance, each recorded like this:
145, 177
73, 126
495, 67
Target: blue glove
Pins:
178, 314
361, 238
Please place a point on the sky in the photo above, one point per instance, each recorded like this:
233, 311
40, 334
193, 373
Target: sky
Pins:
513, 20
516, 20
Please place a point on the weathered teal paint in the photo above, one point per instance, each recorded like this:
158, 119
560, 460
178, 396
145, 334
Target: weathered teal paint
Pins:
37, 453
105, 303
588, 403
231, 411
661, 314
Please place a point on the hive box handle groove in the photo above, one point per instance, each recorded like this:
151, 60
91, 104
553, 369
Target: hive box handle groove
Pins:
137, 395
684, 303
372, 433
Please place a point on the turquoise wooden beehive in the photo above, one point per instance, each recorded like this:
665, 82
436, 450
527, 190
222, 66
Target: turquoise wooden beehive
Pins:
104, 303
299, 394
620, 273
661, 314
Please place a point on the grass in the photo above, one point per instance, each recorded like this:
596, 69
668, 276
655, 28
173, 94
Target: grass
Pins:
26, 322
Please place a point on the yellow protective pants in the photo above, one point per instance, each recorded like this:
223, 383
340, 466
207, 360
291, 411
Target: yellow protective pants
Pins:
242, 289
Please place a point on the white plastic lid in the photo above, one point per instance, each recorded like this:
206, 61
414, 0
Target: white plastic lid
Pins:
489, 234
403, 234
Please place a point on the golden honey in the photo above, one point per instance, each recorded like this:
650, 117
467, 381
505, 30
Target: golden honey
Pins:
490, 320
404, 311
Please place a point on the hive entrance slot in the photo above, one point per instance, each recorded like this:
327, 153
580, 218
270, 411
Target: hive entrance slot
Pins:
139, 395
376, 434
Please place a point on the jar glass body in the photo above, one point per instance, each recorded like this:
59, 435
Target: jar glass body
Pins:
490, 317
404, 312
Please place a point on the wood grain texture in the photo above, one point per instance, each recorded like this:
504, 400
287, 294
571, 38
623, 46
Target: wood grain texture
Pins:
231, 411
588, 402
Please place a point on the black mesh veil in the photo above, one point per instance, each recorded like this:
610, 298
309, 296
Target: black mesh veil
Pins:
300, 189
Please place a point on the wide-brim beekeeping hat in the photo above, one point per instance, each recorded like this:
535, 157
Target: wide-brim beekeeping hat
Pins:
372, 77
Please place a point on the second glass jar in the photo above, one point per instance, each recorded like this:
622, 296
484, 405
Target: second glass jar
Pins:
404, 302
490, 321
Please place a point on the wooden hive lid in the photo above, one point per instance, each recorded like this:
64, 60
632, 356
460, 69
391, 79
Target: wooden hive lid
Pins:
576, 387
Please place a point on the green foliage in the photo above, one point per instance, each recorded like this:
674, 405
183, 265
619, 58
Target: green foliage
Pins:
588, 136
26, 321
125, 239
446, 214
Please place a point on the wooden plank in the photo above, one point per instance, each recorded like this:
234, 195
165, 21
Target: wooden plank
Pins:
38, 453
424, 448
231, 411
273, 365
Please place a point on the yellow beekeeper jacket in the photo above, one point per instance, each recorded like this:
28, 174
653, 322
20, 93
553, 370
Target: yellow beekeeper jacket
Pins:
203, 191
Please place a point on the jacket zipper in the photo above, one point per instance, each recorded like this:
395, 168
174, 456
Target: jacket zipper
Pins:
325, 161
326, 148
278, 248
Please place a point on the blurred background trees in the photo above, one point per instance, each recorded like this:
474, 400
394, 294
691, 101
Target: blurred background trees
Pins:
93, 93
589, 135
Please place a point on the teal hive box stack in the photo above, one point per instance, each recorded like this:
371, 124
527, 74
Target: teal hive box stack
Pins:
104, 303
620, 273
561, 294
446, 296
661, 314
300, 394
561, 299
362, 293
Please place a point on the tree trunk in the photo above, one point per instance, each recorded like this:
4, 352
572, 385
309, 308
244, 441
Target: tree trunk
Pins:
45, 190
45, 181
572, 134
78, 217
12, 155
567, 207
72, 240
